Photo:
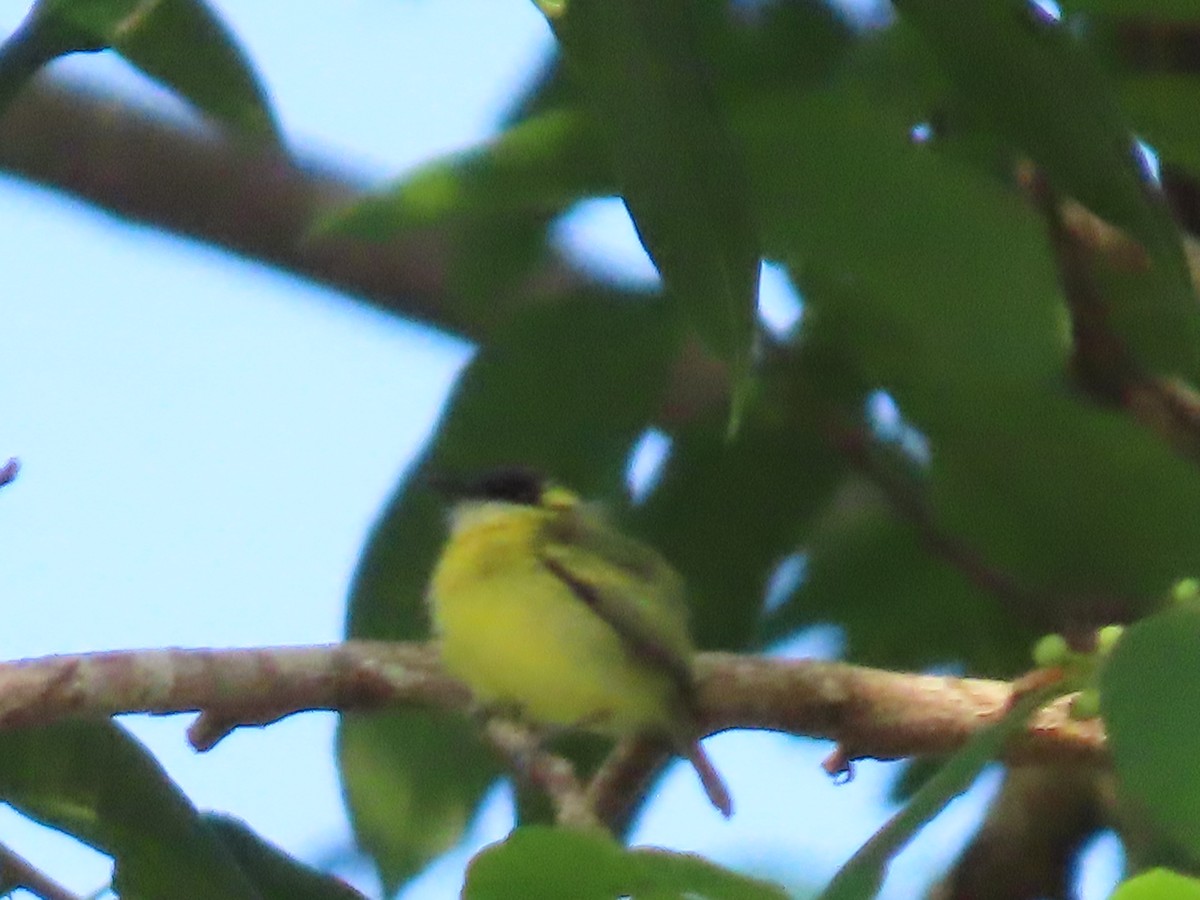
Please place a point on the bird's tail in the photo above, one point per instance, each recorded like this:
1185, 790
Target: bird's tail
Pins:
713, 784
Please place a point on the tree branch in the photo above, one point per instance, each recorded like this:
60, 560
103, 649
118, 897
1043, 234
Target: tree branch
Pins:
1029, 844
547, 772
624, 778
868, 712
184, 178
1103, 364
1150, 45
18, 873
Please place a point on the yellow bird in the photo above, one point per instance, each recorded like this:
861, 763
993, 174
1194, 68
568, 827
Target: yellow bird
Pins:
541, 605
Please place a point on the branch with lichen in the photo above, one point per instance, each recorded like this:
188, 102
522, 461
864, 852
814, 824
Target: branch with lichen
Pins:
869, 713
872, 712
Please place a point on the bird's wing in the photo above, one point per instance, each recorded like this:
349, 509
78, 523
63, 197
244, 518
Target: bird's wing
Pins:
628, 585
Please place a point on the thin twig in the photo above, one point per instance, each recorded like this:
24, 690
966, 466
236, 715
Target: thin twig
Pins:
1028, 605
1103, 363
18, 872
622, 781
547, 772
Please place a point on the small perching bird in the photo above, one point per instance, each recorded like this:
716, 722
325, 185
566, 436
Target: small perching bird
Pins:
543, 606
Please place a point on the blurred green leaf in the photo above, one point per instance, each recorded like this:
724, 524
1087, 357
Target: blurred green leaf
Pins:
1165, 110
912, 265
274, 874
779, 45
926, 278
180, 43
1114, 506
552, 863
93, 781
494, 259
897, 70
900, 606
1158, 884
764, 47
40, 38
726, 514
494, 205
1148, 691
914, 772
646, 69
542, 163
413, 780
1160, 10
1038, 85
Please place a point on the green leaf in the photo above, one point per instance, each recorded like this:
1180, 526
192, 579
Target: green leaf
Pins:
412, 780
1158, 884
93, 781
645, 67
1160, 10
777, 45
726, 514
1163, 110
1148, 690
542, 163
1046, 95
551, 863
494, 258
1037, 455
925, 277
862, 877
276, 875
180, 43
40, 38
494, 204
887, 240
900, 606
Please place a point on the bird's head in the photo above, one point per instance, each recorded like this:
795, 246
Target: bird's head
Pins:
517, 485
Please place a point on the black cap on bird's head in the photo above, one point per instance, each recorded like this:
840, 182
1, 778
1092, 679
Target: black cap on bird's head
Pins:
508, 484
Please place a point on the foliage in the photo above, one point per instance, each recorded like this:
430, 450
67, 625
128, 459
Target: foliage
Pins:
538, 862
916, 181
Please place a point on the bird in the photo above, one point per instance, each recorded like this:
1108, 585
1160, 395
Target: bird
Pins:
541, 606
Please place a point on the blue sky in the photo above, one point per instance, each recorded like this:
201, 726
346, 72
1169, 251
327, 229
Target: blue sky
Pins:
206, 441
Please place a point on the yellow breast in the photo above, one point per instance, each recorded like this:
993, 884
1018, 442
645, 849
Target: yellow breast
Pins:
516, 635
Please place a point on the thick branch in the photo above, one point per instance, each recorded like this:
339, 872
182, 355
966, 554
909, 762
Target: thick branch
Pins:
876, 713
869, 712
183, 178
